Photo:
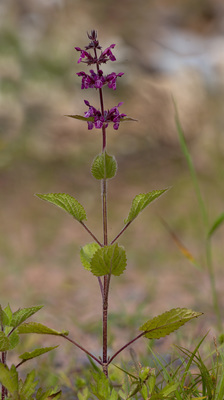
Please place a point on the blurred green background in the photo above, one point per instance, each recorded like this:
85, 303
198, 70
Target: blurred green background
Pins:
166, 48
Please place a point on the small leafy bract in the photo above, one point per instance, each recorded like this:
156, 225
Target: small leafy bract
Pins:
36, 353
104, 166
109, 260
35, 327
168, 322
67, 203
86, 254
80, 117
141, 201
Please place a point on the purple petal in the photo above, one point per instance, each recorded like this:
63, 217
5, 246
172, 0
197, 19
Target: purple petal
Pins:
116, 126
90, 125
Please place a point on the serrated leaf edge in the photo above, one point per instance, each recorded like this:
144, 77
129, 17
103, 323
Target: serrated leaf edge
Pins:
197, 314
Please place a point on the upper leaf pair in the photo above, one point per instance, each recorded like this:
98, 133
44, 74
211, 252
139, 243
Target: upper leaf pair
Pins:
103, 167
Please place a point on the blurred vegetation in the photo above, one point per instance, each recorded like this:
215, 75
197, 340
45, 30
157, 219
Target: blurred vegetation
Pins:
43, 151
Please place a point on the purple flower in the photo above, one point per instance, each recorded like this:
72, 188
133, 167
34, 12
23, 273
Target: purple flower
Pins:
93, 80
98, 80
111, 79
87, 58
99, 120
84, 54
107, 55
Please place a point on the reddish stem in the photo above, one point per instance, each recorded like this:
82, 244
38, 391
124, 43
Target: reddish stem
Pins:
124, 347
91, 234
120, 233
83, 349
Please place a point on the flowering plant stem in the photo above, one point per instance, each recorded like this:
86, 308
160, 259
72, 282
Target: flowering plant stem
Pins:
108, 258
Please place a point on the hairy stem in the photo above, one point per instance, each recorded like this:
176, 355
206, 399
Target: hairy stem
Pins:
106, 282
106, 277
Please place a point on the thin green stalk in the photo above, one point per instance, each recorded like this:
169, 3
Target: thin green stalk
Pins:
205, 218
187, 155
213, 283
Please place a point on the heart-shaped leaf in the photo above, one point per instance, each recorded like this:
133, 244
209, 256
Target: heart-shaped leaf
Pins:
86, 254
109, 260
104, 166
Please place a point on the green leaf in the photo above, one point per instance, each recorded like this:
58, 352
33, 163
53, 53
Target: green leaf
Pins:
8, 312
86, 254
168, 322
29, 386
13, 340
54, 395
4, 342
67, 203
101, 387
109, 260
48, 395
104, 166
9, 379
34, 327
36, 353
168, 389
141, 201
216, 224
21, 315
4, 320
